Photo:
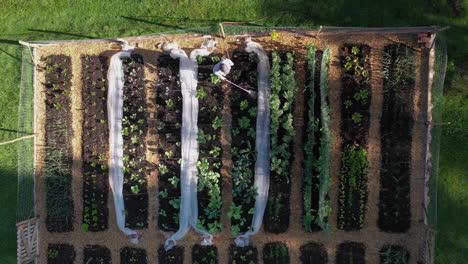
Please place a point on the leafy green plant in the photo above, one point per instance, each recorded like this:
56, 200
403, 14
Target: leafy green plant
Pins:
201, 93
217, 123
244, 122
52, 253
214, 78
244, 104
356, 117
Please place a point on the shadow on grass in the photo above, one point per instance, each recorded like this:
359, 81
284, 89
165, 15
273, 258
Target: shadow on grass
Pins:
8, 213
152, 23
61, 33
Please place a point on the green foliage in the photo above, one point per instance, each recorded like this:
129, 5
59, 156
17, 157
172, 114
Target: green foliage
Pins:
201, 93
217, 123
394, 255
400, 70
214, 78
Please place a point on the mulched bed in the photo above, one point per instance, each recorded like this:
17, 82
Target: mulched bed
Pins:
396, 135
210, 96
204, 254
275, 253
312, 180
350, 253
134, 126
168, 129
355, 122
391, 254
96, 255
313, 253
243, 255
243, 107
130, 255
58, 160
60, 254
277, 212
173, 256
95, 149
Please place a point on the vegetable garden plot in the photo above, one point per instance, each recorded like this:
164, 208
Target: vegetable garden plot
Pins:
276, 253
204, 255
60, 254
169, 123
58, 160
210, 96
283, 89
244, 113
393, 255
172, 256
134, 126
97, 255
313, 253
396, 129
95, 149
243, 255
355, 121
350, 253
133, 256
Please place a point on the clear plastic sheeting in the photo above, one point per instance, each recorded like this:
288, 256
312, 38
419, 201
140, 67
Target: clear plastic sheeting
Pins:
262, 142
115, 113
189, 174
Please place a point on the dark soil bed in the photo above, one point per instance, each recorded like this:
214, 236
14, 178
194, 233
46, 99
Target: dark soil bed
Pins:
312, 135
243, 111
169, 104
276, 253
133, 256
204, 255
95, 148
355, 122
313, 253
173, 256
58, 160
60, 254
393, 255
134, 127
396, 135
243, 255
96, 255
350, 253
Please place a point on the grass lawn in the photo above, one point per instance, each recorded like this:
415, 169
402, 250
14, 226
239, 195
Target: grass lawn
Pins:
53, 18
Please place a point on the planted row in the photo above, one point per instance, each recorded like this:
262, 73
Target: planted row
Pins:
210, 96
133, 256
355, 121
244, 114
134, 126
313, 253
95, 148
60, 254
58, 155
276, 253
283, 89
317, 143
396, 134
94, 254
350, 253
168, 124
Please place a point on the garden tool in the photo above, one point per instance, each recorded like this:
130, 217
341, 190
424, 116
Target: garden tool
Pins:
222, 68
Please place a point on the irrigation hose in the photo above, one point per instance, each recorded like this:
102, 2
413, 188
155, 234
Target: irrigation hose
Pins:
16, 139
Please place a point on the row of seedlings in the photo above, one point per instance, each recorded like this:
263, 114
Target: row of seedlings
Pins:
173, 256
94, 254
396, 134
210, 96
355, 121
133, 256
204, 255
283, 89
95, 148
276, 253
169, 123
243, 255
58, 154
244, 115
316, 207
60, 254
134, 127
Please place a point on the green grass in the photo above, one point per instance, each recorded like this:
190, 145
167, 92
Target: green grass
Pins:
53, 17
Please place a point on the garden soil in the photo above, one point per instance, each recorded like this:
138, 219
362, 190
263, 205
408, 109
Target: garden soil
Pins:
414, 240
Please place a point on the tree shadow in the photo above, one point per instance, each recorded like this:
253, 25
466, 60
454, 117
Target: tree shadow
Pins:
152, 23
10, 55
61, 33
16, 131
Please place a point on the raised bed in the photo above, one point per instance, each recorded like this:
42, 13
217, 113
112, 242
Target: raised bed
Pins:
275, 253
350, 253
210, 96
57, 160
396, 136
130, 255
95, 149
283, 89
244, 113
96, 255
313, 253
391, 254
243, 255
60, 254
317, 136
169, 123
173, 256
204, 255
355, 122
134, 127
